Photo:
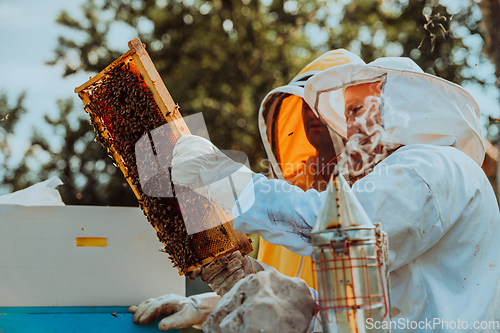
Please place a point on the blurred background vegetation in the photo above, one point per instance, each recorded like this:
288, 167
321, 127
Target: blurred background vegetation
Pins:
221, 57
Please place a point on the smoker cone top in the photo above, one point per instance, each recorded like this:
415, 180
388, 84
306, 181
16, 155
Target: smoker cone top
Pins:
340, 208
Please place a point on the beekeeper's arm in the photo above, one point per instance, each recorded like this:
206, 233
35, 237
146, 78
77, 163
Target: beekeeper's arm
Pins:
395, 193
281, 213
408, 193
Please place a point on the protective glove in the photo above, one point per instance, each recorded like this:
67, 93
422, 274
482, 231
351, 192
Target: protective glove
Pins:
222, 274
180, 311
203, 168
265, 302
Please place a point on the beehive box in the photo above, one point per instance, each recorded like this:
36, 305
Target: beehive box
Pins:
134, 115
78, 268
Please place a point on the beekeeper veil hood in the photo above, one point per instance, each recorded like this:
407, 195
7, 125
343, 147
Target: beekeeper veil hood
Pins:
415, 108
280, 117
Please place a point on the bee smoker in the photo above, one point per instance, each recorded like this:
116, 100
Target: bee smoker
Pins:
350, 265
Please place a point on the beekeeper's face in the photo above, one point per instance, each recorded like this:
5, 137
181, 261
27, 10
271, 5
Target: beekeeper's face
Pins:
362, 108
364, 129
312, 125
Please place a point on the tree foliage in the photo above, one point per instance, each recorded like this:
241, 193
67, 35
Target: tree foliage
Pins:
14, 176
491, 27
222, 57
433, 35
82, 164
219, 58
87, 172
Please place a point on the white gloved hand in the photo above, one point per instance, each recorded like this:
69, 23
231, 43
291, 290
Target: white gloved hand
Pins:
222, 274
203, 168
265, 302
180, 311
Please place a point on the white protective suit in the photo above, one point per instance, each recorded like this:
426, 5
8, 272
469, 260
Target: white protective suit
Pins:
431, 196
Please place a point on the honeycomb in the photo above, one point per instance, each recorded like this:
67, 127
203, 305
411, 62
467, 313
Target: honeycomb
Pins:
128, 104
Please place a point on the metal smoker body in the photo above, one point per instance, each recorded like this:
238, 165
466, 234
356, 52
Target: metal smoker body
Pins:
350, 263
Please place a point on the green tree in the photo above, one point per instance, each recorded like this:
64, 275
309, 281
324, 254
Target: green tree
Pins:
436, 37
14, 176
491, 27
88, 174
221, 57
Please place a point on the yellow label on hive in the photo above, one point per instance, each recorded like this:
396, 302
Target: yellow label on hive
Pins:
92, 241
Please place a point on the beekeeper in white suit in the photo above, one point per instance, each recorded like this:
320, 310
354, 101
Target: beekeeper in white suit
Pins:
426, 188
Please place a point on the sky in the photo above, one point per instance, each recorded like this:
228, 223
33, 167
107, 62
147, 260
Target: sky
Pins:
28, 35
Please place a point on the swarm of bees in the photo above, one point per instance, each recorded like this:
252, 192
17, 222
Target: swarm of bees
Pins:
122, 110
127, 111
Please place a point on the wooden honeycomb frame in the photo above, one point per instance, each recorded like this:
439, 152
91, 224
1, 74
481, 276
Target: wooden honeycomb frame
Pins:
170, 112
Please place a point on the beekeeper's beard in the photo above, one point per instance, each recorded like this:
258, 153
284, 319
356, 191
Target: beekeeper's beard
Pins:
365, 149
